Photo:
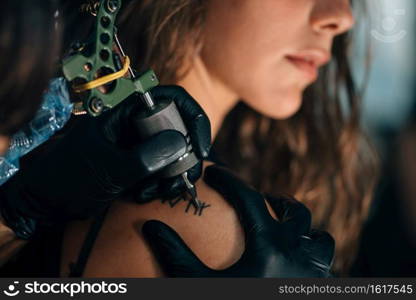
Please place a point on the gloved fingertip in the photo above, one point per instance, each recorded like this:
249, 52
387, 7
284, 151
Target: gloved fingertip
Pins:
152, 228
322, 237
160, 150
212, 171
291, 213
224, 181
164, 240
211, 176
200, 132
25, 228
172, 138
195, 172
153, 232
322, 245
160, 233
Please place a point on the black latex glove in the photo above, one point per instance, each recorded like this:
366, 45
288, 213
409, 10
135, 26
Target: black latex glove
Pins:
95, 162
284, 248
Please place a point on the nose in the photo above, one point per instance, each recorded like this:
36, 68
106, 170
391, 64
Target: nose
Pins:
332, 16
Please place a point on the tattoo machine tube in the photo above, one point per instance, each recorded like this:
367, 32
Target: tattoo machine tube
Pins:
53, 114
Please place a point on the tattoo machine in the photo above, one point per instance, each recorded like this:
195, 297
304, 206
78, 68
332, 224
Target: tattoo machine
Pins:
100, 74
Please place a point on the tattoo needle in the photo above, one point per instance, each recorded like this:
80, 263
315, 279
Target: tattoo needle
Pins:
192, 190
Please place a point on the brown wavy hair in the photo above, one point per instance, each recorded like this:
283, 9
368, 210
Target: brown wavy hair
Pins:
320, 155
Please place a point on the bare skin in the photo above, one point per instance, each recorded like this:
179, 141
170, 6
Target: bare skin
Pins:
122, 247
9, 243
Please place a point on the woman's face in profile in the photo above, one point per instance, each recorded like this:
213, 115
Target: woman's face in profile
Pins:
268, 51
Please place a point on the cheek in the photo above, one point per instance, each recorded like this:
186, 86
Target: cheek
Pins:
267, 83
247, 53
277, 104
272, 89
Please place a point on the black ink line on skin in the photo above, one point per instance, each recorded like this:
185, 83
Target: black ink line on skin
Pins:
172, 202
203, 206
197, 210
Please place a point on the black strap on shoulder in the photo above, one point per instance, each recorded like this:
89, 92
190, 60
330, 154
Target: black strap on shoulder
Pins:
77, 269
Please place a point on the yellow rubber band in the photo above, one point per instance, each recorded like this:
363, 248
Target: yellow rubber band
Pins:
103, 80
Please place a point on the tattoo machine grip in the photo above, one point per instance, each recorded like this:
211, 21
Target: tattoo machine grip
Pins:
164, 115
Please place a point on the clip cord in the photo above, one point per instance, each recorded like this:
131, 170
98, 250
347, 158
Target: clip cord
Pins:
103, 80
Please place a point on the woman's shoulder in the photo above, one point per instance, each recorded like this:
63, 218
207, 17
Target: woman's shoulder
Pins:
212, 231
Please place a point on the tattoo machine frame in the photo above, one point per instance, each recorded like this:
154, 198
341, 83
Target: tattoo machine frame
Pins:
101, 75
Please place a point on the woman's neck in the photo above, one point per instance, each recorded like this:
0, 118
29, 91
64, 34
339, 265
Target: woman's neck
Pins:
214, 97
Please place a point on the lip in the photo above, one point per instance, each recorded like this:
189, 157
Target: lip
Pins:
309, 61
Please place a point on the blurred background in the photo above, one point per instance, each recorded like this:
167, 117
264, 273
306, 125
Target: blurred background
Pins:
388, 243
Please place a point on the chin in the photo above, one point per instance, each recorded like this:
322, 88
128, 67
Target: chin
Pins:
279, 108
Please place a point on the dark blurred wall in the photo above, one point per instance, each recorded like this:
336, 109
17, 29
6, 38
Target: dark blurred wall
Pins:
388, 244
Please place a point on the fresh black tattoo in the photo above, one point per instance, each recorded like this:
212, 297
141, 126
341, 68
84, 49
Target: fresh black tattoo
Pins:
197, 211
173, 202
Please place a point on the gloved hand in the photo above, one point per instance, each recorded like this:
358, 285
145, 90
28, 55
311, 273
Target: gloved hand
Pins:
284, 248
199, 130
97, 161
